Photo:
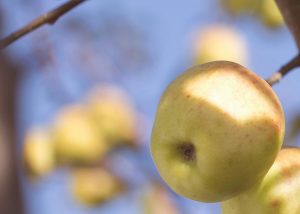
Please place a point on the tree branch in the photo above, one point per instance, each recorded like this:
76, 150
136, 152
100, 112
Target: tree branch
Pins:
47, 18
290, 10
276, 77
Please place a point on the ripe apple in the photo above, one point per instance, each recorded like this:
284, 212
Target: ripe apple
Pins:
270, 14
278, 193
114, 115
220, 42
76, 138
217, 131
94, 186
39, 153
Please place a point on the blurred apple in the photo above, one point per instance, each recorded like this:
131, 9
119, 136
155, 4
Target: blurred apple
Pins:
239, 7
220, 42
39, 153
278, 193
217, 131
94, 186
76, 137
158, 201
114, 115
270, 14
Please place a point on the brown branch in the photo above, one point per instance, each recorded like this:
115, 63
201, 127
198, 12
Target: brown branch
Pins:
47, 18
290, 10
11, 200
276, 77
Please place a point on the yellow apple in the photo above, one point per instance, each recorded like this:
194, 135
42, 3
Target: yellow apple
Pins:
39, 153
270, 14
76, 138
278, 193
94, 186
114, 114
220, 42
240, 7
217, 131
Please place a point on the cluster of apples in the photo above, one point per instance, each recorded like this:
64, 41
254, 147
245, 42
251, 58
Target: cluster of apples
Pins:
81, 136
266, 10
217, 137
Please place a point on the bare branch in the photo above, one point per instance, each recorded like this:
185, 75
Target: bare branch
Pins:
276, 77
47, 18
290, 10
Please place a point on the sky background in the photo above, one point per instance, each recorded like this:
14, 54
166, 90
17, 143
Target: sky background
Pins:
166, 28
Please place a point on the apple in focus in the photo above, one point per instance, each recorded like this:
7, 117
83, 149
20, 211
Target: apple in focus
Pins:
217, 131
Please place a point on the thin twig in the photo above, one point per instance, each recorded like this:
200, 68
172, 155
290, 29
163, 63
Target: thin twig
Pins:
48, 18
276, 77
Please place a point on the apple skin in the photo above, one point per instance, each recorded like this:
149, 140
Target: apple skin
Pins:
209, 45
217, 131
278, 193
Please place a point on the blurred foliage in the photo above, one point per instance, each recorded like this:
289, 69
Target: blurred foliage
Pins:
265, 10
117, 41
114, 47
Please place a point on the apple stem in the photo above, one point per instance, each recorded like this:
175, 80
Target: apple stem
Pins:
276, 77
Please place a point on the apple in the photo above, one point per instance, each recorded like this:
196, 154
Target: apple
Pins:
220, 42
76, 138
39, 153
114, 115
270, 14
217, 131
277, 193
240, 7
94, 186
